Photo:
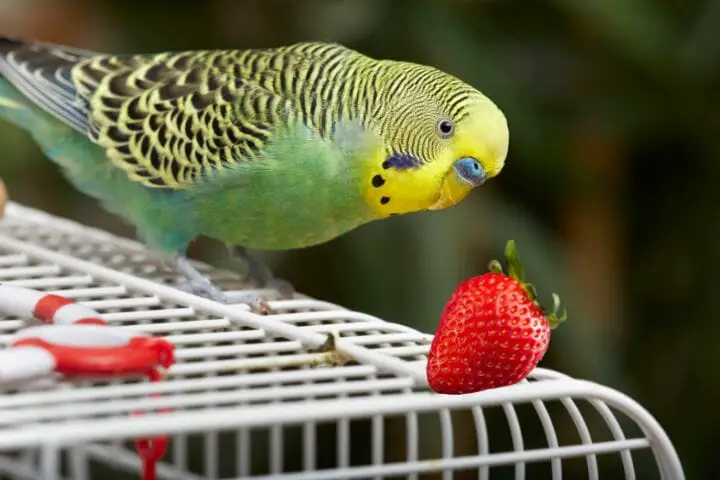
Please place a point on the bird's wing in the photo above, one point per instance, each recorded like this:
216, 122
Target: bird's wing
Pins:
166, 119
43, 73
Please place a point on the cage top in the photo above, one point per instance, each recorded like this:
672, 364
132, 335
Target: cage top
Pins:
233, 368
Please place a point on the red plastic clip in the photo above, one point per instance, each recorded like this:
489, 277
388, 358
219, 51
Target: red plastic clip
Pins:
106, 351
92, 350
151, 450
74, 342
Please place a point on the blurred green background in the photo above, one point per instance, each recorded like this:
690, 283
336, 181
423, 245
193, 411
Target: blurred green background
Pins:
610, 189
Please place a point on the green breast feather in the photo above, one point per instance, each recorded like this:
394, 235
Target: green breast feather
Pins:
302, 190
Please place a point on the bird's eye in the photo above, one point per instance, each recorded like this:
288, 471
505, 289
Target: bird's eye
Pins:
445, 127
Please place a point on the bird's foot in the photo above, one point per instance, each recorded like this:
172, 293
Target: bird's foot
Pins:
285, 289
257, 303
198, 284
259, 274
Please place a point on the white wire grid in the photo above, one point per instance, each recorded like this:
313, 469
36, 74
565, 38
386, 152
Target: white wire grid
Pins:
251, 400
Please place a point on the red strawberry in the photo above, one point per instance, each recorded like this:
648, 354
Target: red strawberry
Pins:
492, 332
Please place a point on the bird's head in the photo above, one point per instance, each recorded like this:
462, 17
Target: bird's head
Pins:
442, 138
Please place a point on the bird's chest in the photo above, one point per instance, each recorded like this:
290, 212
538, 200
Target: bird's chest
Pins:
287, 211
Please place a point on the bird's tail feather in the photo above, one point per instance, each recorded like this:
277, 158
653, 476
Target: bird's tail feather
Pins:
15, 107
53, 136
42, 73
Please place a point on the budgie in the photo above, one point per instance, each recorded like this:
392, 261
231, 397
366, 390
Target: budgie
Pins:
269, 149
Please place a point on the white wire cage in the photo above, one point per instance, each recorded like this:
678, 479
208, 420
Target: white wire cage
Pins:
251, 399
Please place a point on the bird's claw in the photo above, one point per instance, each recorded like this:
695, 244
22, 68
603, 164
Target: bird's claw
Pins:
206, 289
257, 303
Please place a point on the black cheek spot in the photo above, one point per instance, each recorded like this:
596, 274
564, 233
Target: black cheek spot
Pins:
378, 181
401, 161
384, 200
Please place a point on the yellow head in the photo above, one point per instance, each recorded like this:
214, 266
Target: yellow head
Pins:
442, 138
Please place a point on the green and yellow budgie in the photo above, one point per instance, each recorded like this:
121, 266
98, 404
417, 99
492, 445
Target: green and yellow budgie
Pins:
268, 149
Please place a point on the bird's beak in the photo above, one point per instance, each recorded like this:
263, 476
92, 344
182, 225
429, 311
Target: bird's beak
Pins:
452, 190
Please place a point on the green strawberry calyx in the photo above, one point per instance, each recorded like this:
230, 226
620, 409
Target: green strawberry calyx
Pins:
517, 272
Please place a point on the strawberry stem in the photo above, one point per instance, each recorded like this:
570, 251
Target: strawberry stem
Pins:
512, 257
516, 271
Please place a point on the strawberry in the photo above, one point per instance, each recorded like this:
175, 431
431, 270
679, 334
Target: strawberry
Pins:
492, 331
